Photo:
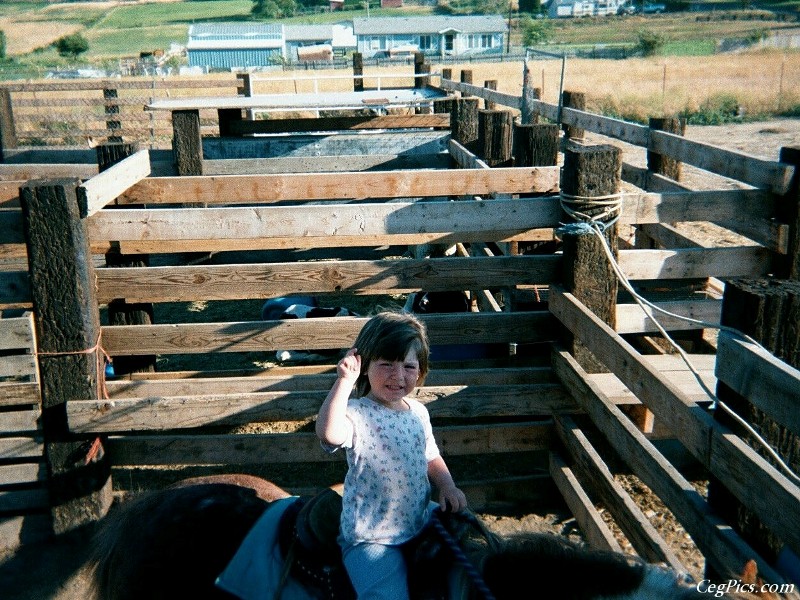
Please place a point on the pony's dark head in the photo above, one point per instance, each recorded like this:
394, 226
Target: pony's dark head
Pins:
550, 566
172, 543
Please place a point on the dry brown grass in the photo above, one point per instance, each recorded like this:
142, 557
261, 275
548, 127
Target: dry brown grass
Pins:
26, 36
761, 82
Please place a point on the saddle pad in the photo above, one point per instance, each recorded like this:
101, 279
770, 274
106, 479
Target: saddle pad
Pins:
254, 572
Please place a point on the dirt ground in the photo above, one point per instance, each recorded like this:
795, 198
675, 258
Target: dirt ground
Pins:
53, 570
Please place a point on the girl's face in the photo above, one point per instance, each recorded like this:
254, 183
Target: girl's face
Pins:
391, 381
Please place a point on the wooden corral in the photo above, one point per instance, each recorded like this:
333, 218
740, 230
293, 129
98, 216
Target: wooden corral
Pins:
563, 395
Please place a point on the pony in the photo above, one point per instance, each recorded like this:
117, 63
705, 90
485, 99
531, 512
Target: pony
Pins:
175, 543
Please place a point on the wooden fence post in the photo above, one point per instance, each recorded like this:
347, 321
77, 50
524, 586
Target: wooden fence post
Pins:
464, 122
536, 145
528, 114
787, 210
187, 142
113, 123
466, 77
658, 163
589, 172
8, 134
495, 131
358, 72
245, 89
575, 100
768, 311
121, 312
69, 349
490, 84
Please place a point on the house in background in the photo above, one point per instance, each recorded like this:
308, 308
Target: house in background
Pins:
234, 45
433, 35
584, 8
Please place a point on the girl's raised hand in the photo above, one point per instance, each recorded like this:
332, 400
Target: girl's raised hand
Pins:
349, 368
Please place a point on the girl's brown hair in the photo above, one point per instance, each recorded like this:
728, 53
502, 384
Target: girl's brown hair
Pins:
390, 336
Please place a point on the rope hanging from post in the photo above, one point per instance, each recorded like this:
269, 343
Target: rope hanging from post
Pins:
590, 214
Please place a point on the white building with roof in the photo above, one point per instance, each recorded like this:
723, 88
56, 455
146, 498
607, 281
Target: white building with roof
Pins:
434, 35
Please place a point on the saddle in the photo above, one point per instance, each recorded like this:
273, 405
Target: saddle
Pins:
308, 535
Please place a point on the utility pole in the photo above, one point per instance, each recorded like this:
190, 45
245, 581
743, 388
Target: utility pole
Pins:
508, 43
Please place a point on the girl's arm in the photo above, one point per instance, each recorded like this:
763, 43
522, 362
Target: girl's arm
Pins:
450, 497
331, 426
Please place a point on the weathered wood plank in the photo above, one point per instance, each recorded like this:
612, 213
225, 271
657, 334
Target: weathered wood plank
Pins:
17, 448
464, 158
20, 421
16, 333
25, 473
627, 514
716, 205
436, 121
631, 318
767, 382
695, 263
206, 282
238, 449
771, 175
508, 100
321, 333
233, 189
493, 217
15, 393
745, 473
97, 192
18, 365
597, 533
722, 547
164, 413
295, 381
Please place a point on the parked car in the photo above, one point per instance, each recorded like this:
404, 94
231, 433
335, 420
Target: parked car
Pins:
647, 8
653, 9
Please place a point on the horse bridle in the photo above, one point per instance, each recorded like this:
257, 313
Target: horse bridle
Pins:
460, 557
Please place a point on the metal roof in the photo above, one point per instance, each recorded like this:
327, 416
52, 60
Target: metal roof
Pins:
320, 33
223, 31
429, 24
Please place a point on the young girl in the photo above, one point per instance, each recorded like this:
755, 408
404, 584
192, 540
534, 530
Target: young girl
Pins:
392, 457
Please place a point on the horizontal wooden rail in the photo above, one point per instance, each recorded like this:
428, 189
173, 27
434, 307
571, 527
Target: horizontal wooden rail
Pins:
436, 121
236, 189
631, 318
133, 83
745, 473
228, 282
293, 381
494, 219
722, 547
508, 100
177, 412
314, 334
767, 382
243, 449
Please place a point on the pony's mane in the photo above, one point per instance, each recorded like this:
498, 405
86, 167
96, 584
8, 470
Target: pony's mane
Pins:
555, 566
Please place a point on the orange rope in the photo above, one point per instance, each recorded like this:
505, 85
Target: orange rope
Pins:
102, 358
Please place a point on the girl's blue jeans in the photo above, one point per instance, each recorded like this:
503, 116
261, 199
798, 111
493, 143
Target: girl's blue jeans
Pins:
377, 571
